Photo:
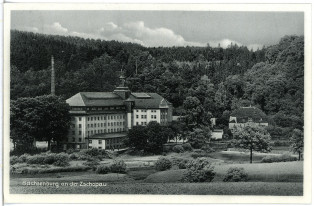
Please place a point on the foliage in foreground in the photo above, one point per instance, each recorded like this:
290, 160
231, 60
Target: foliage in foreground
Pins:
235, 174
57, 159
279, 158
163, 164
118, 166
199, 170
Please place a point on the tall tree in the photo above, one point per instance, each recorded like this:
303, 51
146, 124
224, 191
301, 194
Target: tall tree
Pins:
253, 138
43, 118
297, 142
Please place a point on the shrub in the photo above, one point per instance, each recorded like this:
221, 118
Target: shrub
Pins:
199, 170
187, 147
61, 159
178, 149
35, 159
179, 162
279, 158
235, 174
163, 164
14, 160
200, 154
73, 156
118, 166
92, 164
102, 169
24, 157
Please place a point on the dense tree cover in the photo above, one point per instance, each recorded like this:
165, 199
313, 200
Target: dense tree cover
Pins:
149, 138
271, 78
253, 138
43, 118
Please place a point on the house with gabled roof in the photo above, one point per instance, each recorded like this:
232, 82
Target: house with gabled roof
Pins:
244, 116
102, 119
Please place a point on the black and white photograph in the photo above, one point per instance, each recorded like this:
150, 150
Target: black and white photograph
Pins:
169, 101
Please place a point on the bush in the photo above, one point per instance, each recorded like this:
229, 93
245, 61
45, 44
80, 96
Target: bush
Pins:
279, 158
54, 170
102, 169
35, 159
200, 154
92, 164
179, 162
235, 174
73, 156
163, 164
187, 147
24, 157
15, 159
178, 149
199, 170
61, 159
118, 166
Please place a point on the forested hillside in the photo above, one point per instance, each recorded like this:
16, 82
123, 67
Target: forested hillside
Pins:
271, 78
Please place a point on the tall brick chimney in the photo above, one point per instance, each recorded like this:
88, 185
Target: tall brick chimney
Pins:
53, 90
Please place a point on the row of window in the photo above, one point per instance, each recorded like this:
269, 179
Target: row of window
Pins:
104, 117
104, 108
101, 131
144, 110
104, 124
141, 123
145, 116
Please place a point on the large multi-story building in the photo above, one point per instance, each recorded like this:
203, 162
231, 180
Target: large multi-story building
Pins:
102, 119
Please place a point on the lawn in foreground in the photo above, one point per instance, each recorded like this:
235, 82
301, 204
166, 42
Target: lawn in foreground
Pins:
214, 188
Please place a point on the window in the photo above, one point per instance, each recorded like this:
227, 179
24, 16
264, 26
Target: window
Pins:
99, 142
73, 132
87, 132
80, 126
98, 124
152, 116
114, 123
80, 118
91, 118
101, 124
80, 139
137, 123
136, 116
91, 125
95, 125
80, 132
136, 110
98, 118
73, 139
87, 118
92, 132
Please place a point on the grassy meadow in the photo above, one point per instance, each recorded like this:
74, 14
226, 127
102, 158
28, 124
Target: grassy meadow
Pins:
141, 177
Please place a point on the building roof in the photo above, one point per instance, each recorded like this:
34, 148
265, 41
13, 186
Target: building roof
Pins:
154, 101
244, 113
95, 99
142, 100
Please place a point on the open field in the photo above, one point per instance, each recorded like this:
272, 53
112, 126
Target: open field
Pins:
264, 172
214, 188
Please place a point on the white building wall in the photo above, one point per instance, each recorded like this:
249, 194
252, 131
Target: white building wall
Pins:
95, 144
139, 117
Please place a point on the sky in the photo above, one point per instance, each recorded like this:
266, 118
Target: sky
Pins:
166, 28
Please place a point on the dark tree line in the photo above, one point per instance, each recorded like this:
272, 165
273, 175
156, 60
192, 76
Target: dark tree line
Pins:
271, 78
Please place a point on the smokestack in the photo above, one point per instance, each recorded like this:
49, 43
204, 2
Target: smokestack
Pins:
53, 91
